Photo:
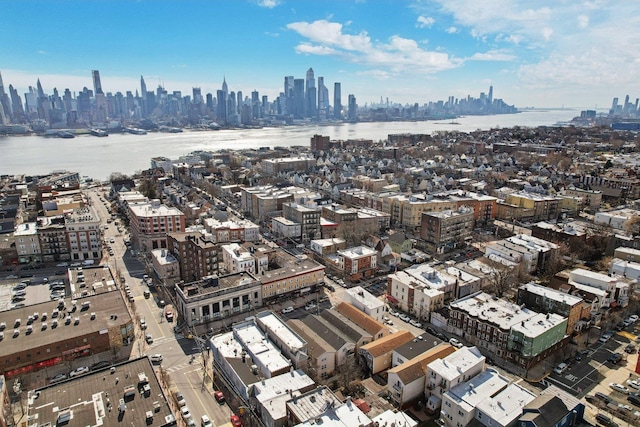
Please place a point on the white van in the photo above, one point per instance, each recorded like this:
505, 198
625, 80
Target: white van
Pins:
560, 368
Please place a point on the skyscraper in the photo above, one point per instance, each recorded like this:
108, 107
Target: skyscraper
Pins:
352, 109
298, 98
323, 100
143, 97
310, 94
490, 95
97, 86
337, 101
5, 104
16, 106
288, 95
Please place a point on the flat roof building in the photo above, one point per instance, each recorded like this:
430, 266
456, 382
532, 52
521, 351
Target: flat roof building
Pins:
128, 394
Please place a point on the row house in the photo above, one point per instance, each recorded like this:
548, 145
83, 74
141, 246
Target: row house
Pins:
446, 373
406, 381
413, 295
308, 218
231, 231
253, 259
617, 289
547, 300
377, 355
509, 331
527, 206
356, 262
531, 253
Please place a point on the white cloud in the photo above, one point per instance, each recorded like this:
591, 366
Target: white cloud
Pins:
42, 52
492, 55
546, 33
311, 49
376, 74
270, 4
398, 55
451, 30
425, 21
583, 21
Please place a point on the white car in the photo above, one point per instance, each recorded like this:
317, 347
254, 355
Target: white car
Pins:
156, 358
633, 318
185, 412
634, 384
454, 342
310, 306
79, 371
619, 388
287, 310
205, 421
404, 317
415, 323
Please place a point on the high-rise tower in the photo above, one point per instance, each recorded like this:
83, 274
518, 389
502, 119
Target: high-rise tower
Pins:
143, 97
337, 101
310, 94
323, 99
97, 86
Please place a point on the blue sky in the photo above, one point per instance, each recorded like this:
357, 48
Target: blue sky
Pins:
541, 53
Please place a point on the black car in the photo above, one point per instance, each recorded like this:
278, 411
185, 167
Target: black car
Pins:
605, 421
100, 365
615, 358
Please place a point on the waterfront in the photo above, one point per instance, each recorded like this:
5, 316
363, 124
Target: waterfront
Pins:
126, 153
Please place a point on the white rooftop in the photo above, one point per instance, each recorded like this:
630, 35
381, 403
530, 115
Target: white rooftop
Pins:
149, 209
357, 252
429, 276
282, 331
457, 363
497, 311
261, 350
416, 283
537, 324
478, 388
507, 405
345, 415
400, 419
552, 294
364, 297
273, 393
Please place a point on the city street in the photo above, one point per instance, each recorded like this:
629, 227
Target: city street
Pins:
185, 375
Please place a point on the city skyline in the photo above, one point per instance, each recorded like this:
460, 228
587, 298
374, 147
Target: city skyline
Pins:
576, 55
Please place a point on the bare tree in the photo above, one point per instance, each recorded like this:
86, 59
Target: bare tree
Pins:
354, 232
502, 278
632, 225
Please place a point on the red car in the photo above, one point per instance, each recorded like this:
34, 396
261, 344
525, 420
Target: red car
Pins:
219, 396
235, 420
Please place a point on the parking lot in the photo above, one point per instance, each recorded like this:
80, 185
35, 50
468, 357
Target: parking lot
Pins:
596, 363
36, 291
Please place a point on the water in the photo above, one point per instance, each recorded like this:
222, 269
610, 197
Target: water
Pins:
126, 153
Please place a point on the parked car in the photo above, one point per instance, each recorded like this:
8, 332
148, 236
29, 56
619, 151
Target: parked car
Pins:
79, 371
415, 323
404, 317
179, 399
603, 339
236, 421
615, 358
561, 368
630, 348
100, 365
287, 310
634, 384
59, 377
619, 388
309, 306
455, 342
634, 318
185, 412
605, 421
156, 358
149, 339
219, 396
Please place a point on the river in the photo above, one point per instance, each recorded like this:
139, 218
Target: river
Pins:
99, 157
